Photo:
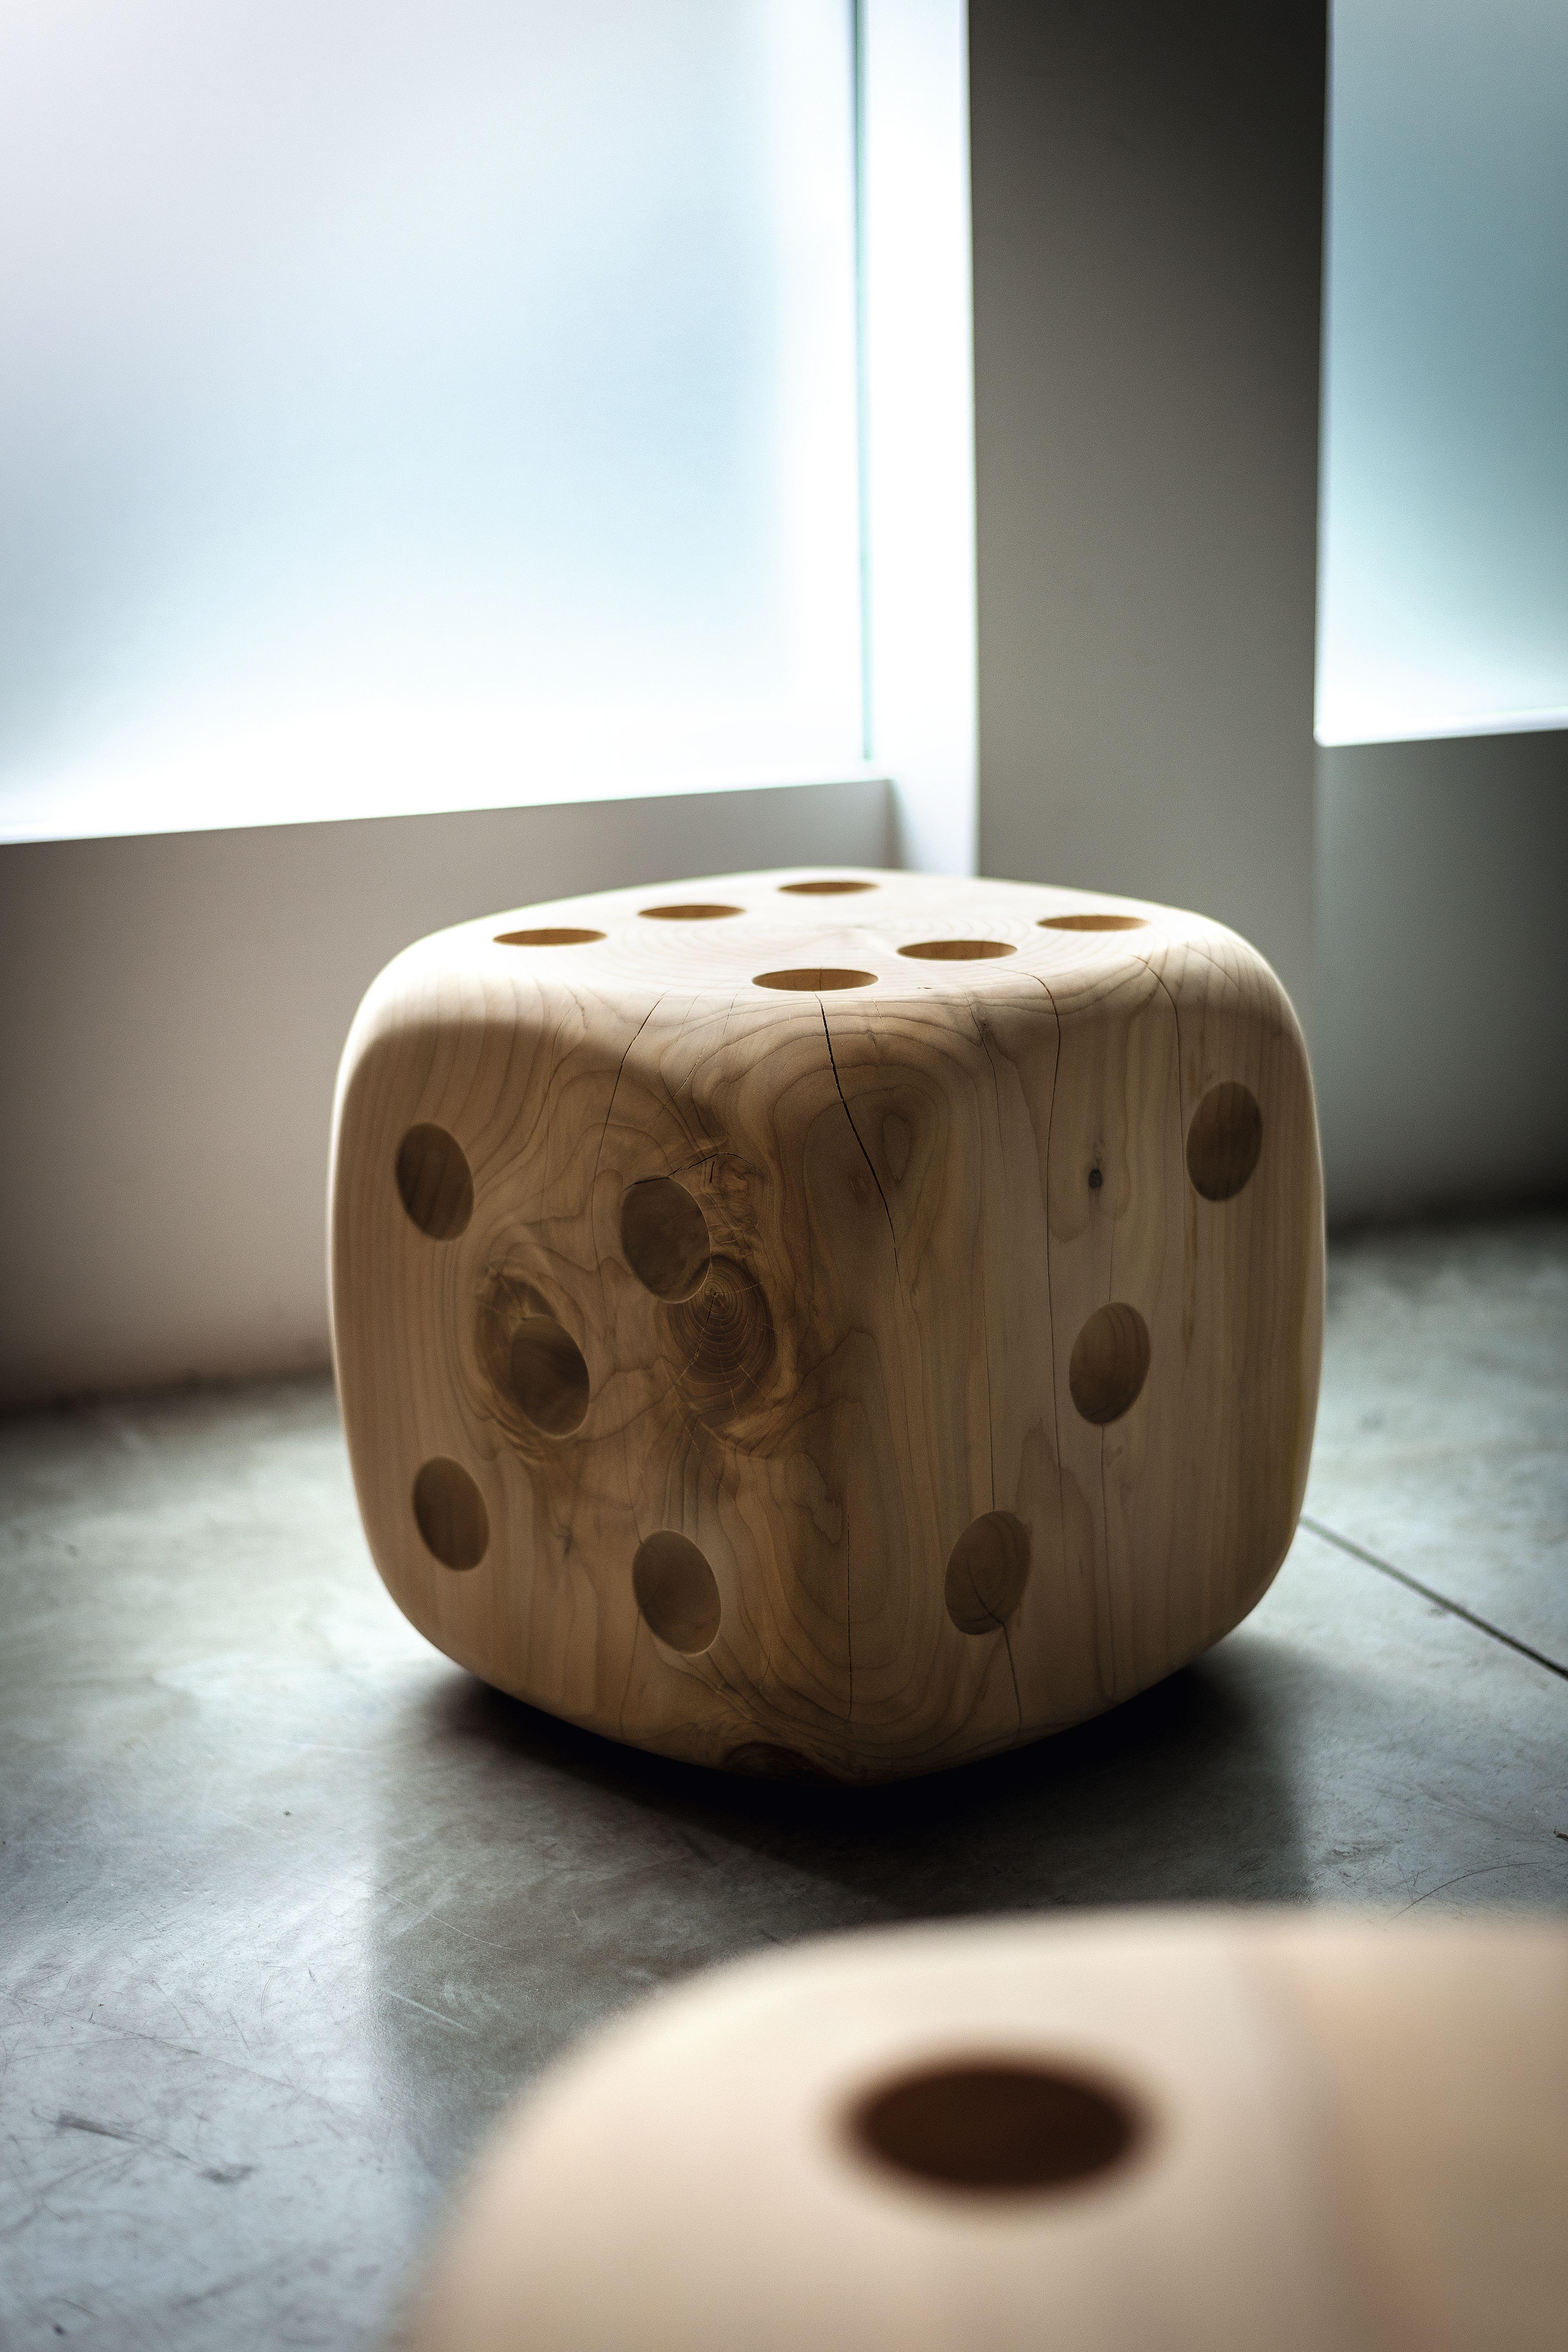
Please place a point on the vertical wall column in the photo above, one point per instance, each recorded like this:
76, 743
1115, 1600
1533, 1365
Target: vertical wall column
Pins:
1147, 201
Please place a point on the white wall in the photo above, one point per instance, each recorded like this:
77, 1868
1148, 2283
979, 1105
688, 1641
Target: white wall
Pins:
1147, 222
175, 1006
1442, 991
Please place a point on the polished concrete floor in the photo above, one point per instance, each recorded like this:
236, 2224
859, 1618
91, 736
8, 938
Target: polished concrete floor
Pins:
290, 1906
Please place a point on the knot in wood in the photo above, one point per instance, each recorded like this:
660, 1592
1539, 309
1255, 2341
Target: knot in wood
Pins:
724, 1341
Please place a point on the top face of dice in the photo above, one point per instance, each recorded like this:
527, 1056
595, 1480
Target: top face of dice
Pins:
832, 1321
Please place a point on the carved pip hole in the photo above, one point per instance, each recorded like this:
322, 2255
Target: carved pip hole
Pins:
664, 1237
1110, 1363
987, 1573
686, 914
818, 978
997, 2127
1224, 1140
557, 935
449, 1512
676, 1592
767, 1761
1094, 923
958, 950
823, 890
435, 1181
546, 1377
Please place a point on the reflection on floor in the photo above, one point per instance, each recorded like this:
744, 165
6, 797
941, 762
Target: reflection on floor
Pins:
292, 1906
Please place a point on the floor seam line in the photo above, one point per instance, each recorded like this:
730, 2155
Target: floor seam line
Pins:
1440, 1600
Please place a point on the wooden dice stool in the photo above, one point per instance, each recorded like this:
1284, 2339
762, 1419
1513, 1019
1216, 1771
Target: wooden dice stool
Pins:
827, 1322
1202, 2134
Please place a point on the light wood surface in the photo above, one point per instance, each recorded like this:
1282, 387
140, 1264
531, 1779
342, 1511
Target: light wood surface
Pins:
1203, 2133
829, 1322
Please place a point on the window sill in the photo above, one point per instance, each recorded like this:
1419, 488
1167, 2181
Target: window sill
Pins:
259, 791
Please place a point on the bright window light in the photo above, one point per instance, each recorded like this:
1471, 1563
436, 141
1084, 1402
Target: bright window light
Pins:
1444, 577
438, 403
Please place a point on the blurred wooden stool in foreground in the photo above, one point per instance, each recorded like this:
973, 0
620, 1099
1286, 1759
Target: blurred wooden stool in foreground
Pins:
838, 1323
1201, 2131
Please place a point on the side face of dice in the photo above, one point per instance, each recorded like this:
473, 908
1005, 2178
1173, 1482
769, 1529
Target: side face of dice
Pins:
804, 1344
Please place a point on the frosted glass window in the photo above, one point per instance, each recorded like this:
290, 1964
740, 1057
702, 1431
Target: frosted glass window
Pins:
1444, 581
421, 405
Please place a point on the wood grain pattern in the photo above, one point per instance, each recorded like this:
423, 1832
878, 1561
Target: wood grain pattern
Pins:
939, 1261
1208, 2133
